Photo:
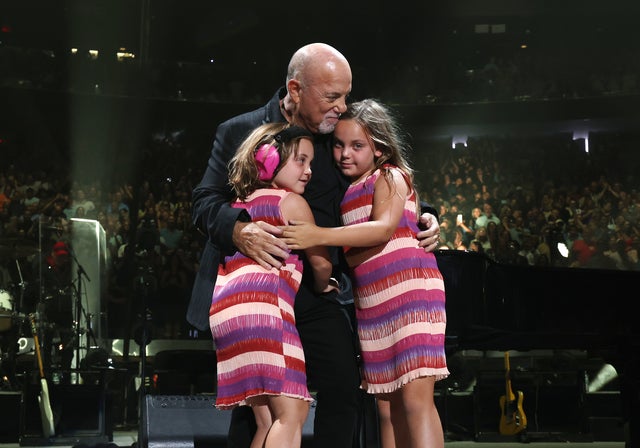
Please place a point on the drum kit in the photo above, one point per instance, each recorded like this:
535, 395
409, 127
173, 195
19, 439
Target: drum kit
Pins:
6, 310
30, 311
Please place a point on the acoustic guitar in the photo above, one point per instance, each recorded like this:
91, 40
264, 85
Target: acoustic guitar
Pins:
46, 414
512, 420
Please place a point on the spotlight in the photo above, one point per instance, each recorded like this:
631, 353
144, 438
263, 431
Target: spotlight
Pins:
458, 141
605, 375
579, 135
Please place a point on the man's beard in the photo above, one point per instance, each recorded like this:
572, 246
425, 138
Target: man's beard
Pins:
326, 128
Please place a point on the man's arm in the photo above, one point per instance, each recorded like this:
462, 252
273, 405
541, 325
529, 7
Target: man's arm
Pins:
211, 211
257, 240
429, 238
226, 227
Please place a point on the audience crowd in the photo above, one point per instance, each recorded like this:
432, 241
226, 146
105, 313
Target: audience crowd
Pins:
538, 201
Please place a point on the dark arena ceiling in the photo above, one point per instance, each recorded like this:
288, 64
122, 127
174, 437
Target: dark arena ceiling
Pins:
374, 34
234, 53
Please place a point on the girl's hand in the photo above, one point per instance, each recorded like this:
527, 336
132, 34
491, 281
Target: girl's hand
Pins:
332, 286
300, 235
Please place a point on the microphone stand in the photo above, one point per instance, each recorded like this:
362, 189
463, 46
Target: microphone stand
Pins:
80, 312
22, 285
146, 282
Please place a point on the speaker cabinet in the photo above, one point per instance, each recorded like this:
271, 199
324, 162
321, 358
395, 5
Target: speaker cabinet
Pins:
78, 413
184, 421
190, 421
10, 421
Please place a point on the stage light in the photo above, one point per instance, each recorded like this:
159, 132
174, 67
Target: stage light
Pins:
458, 140
123, 54
578, 135
604, 376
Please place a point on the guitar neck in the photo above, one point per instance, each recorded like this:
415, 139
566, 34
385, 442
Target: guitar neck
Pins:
46, 414
507, 375
36, 342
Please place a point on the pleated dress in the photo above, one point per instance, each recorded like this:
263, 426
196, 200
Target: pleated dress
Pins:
399, 297
252, 322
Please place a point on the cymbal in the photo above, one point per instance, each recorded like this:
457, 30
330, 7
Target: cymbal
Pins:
59, 228
17, 248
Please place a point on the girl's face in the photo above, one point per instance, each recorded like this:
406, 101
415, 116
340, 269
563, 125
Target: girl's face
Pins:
296, 171
353, 150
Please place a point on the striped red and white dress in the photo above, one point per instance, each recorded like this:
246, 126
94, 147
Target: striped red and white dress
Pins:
399, 297
251, 318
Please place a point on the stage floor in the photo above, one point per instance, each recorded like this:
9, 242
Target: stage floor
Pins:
129, 439
560, 412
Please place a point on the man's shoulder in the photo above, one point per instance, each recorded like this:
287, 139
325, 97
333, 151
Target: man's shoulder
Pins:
251, 119
247, 117
240, 124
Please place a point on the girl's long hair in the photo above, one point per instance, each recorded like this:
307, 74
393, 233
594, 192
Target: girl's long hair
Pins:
381, 125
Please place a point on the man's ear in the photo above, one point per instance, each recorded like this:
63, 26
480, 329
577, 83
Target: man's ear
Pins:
294, 89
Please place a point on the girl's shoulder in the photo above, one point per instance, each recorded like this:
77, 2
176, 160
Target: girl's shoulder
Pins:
268, 192
294, 206
390, 168
394, 172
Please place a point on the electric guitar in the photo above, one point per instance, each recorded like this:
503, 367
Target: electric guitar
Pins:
512, 420
46, 414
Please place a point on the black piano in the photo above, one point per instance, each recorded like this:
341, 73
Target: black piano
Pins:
494, 306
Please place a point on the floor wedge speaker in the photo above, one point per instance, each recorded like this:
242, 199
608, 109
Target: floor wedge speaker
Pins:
192, 421
183, 421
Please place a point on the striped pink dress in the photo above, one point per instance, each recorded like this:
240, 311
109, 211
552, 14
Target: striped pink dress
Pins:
251, 318
399, 296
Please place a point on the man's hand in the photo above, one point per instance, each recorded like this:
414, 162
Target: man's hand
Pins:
429, 238
257, 240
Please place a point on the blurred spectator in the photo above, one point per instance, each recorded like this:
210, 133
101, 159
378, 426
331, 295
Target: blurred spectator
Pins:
80, 200
171, 236
476, 246
487, 216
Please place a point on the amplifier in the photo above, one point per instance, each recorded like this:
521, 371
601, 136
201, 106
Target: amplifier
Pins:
190, 421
